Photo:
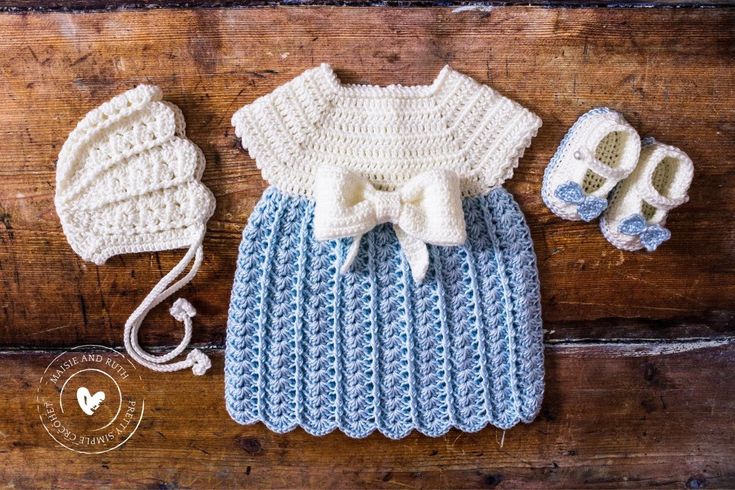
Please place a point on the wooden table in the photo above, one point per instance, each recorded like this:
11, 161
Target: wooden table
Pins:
640, 351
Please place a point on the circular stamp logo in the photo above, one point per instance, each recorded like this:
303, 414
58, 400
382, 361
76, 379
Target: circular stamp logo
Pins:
89, 399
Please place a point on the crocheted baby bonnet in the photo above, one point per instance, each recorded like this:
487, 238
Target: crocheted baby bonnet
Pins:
127, 181
385, 280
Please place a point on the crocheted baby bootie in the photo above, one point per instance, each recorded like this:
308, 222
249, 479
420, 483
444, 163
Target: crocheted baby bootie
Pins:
640, 204
599, 150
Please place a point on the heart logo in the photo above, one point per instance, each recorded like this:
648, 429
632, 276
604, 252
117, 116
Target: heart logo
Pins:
88, 402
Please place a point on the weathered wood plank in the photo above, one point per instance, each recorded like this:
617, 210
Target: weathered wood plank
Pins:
613, 417
107, 5
669, 71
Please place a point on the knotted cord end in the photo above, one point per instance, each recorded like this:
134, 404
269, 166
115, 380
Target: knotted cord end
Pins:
200, 363
182, 309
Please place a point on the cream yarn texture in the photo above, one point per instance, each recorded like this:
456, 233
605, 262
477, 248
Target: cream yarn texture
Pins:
426, 209
598, 151
640, 205
128, 181
385, 280
388, 134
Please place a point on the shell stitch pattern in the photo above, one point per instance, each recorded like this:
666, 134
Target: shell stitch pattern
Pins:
483, 257
526, 309
381, 374
394, 406
279, 373
318, 353
462, 329
499, 342
356, 360
241, 372
429, 355
128, 181
392, 285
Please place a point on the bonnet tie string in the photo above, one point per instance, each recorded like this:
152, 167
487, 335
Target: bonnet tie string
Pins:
181, 310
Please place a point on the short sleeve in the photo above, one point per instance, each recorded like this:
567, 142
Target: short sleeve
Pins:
491, 131
275, 127
385, 133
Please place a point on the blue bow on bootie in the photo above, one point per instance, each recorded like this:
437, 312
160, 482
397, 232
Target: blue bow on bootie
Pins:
651, 236
588, 207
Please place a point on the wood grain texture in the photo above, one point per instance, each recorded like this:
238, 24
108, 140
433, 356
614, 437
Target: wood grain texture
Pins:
619, 411
108, 5
613, 417
669, 71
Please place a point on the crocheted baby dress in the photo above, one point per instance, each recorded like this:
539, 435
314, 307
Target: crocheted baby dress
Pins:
127, 181
385, 280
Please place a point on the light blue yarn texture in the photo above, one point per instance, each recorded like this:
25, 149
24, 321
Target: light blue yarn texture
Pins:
370, 349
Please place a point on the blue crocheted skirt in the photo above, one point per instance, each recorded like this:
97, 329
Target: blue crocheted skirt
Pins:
370, 349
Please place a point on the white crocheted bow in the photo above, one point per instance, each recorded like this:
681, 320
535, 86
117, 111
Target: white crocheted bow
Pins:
426, 209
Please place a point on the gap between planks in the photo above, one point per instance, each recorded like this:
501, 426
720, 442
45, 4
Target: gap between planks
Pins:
613, 347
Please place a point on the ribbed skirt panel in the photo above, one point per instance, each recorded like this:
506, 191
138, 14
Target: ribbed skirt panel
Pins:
370, 349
